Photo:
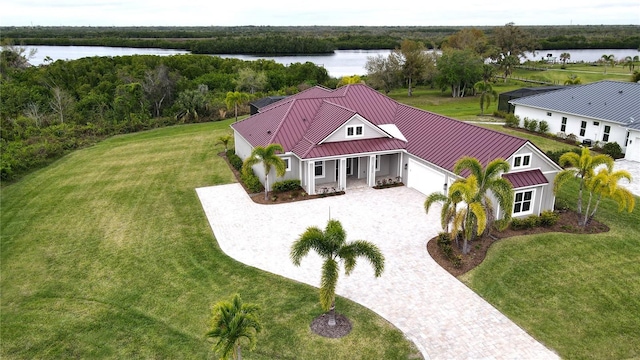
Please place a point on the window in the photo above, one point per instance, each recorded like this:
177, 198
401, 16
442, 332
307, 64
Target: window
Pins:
522, 161
548, 113
605, 136
319, 169
563, 127
583, 128
287, 163
377, 162
626, 141
522, 203
355, 130
596, 123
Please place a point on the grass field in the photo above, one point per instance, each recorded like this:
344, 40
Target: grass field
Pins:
578, 294
106, 253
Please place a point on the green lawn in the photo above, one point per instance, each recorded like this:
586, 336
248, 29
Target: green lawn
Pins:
545, 144
586, 72
578, 294
106, 253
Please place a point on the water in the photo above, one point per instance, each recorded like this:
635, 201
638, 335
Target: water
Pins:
341, 63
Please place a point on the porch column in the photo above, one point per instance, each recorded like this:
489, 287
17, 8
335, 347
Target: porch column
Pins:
371, 179
342, 174
311, 178
401, 166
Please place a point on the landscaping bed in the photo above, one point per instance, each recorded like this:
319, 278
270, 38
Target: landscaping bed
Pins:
567, 223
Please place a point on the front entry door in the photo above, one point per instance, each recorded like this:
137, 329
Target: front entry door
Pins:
349, 166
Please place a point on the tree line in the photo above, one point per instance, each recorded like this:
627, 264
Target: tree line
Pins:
48, 110
309, 39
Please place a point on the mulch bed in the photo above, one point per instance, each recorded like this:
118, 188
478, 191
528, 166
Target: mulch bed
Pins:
567, 223
321, 327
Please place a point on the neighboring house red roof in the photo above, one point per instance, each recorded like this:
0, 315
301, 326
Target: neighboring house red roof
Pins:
301, 121
526, 178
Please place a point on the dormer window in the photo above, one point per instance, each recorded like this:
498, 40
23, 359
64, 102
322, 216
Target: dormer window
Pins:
355, 130
522, 161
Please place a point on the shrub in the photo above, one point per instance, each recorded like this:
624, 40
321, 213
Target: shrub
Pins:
512, 120
444, 238
533, 125
286, 185
526, 123
612, 149
543, 127
572, 138
251, 181
548, 218
555, 155
522, 224
501, 114
234, 159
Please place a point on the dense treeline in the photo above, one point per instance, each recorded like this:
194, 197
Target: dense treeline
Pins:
48, 110
310, 39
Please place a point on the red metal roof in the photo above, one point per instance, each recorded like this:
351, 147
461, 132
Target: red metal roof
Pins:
526, 178
301, 121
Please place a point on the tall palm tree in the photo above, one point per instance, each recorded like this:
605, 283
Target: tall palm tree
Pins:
486, 94
608, 59
332, 246
564, 57
462, 208
581, 166
605, 184
269, 159
490, 179
234, 99
232, 323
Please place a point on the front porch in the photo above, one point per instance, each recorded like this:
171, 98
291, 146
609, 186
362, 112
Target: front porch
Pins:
350, 172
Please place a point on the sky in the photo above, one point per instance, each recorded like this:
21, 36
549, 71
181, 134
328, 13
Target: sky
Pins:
326, 12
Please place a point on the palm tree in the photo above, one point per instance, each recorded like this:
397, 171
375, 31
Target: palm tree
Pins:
486, 94
224, 140
332, 246
466, 217
269, 159
581, 166
235, 98
564, 57
605, 184
232, 323
573, 80
608, 59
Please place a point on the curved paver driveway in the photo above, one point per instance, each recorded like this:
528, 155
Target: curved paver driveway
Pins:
414, 293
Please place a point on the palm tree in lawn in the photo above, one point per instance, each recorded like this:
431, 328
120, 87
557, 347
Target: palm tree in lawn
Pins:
224, 140
269, 159
573, 80
564, 57
234, 99
462, 208
232, 323
628, 62
581, 166
331, 245
608, 59
605, 184
486, 94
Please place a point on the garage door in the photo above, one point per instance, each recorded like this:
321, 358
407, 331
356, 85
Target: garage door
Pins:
423, 178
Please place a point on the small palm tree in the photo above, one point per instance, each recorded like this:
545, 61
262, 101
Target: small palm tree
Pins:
224, 140
581, 166
608, 59
234, 99
564, 57
573, 80
332, 246
232, 323
605, 184
486, 94
269, 159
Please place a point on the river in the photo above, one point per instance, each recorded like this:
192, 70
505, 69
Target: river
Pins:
341, 63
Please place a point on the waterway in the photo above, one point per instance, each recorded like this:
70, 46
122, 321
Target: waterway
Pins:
340, 63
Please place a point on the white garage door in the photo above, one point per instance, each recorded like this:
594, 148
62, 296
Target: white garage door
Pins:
633, 149
423, 178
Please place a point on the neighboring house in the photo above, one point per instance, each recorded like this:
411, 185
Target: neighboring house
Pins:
604, 111
355, 135
256, 105
505, 97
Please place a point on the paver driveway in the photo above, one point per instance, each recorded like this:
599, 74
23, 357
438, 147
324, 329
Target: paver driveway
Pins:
444, 318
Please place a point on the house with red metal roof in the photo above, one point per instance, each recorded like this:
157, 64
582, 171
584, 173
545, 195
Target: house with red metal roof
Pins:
355, 135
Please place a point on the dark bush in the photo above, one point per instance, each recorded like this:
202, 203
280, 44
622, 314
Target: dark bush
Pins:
286, 185
533, 125
548, 218
512, 121
251, 181
543, 127
522, 224
500, 114
234, 159
613, 149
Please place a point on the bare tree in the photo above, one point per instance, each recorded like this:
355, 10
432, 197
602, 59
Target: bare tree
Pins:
60, 103
158, 86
